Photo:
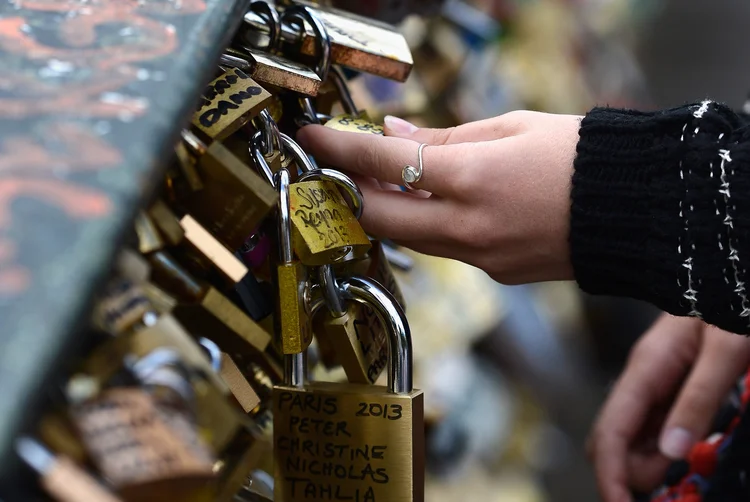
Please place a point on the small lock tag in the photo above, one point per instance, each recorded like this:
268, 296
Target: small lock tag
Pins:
135, 444
228, 103
325, 230
348, 123
234, 200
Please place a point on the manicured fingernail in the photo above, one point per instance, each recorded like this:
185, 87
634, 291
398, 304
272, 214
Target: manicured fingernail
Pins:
399, 126
676, 443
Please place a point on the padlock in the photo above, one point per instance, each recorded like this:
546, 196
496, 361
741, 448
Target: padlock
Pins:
233, 201
334, 441
292, 314
230, 433
325, 230
228, 103
62, 478
142, 455
277, 71
356, 42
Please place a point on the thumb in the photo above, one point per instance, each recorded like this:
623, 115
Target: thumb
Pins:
723, 358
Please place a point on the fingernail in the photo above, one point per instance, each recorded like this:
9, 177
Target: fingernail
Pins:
676, 443
399, 126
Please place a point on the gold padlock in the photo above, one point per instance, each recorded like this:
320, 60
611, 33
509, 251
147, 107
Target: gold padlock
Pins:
334, 441
122, 306
293, 315
233, 201
325, 229
142, 456
356, 42
228, 103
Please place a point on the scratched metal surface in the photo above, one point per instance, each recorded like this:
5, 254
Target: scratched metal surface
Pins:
92, 95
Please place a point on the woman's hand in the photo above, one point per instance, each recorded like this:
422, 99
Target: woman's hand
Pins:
676, 379
498, 190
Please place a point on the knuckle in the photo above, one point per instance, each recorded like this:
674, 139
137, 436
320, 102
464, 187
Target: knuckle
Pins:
367, 161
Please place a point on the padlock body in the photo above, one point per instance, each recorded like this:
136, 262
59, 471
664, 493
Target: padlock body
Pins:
234, 200
293, 319
348, 123
348, 442
324, 230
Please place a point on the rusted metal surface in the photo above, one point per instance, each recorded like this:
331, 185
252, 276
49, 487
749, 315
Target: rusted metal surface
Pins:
92, 96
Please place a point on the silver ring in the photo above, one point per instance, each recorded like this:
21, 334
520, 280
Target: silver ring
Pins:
411, 175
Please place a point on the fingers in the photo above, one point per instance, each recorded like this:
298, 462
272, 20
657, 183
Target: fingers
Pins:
381, 157
652, 374
400, 215
723, 358
481, 130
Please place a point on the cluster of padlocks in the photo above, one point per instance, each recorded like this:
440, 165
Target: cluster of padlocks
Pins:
197, 385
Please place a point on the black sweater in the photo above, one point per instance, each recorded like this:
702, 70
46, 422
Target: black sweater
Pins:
661, 210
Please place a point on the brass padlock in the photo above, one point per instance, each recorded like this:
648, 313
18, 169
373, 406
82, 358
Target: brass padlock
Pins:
277, 71
228, 103
356, 42
233, 201
334, 441
142, 455
292, 316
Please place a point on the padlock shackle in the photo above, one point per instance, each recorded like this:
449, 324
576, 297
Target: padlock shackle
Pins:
368, 292
342, 181
323, 40
282, 181
345, 95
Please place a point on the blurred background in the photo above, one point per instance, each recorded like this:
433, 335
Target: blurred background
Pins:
514, 375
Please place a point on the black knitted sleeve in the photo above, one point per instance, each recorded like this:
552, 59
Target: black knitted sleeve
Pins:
661, 210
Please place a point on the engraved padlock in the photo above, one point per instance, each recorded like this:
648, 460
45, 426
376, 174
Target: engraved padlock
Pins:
326, 228
334, 440
228, 103
233, 201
